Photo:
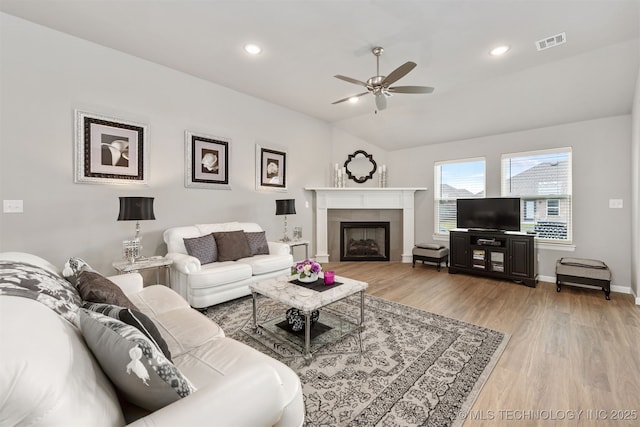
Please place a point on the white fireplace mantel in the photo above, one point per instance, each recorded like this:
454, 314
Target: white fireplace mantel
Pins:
364, 198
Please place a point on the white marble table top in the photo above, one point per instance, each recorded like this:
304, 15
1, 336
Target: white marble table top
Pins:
280, 289
153, 262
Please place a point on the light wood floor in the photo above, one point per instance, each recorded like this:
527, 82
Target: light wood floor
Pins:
573, 357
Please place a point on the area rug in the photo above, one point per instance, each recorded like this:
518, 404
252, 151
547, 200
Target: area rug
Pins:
408, 367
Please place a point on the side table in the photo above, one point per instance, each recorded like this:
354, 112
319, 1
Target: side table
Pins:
156, 262
294, 243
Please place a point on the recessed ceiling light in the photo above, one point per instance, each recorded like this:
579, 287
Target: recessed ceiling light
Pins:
354, 99
499, 50
252, 49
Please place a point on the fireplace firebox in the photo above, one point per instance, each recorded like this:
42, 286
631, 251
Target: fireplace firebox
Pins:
364, 241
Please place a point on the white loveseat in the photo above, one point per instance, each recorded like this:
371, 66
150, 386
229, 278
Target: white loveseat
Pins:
50, 377
203, 285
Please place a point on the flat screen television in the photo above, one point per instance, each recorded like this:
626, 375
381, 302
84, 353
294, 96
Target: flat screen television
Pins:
498, 213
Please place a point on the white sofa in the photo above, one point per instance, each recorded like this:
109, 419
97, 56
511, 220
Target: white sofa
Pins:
203, 285
49, 377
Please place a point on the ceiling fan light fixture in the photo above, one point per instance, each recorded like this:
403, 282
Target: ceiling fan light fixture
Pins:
380, 86
499, 50
252, 49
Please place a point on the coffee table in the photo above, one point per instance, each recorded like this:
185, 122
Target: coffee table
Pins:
307, 300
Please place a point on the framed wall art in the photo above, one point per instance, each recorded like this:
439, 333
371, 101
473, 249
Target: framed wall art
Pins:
207, 161
271, 169
110, 150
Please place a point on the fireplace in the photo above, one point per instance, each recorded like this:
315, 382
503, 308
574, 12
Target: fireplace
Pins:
364, 241
364, 199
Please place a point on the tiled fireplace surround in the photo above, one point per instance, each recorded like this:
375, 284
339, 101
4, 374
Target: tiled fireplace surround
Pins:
334, 205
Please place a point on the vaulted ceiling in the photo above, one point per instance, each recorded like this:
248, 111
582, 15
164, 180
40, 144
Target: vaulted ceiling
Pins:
306, 42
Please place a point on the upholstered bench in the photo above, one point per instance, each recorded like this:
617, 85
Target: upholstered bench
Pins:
431, 252
585, 272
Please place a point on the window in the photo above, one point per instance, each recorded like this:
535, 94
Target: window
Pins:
460, 179
542, 179
529, 210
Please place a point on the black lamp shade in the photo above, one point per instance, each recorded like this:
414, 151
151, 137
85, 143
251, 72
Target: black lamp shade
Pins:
286, 207
136, 209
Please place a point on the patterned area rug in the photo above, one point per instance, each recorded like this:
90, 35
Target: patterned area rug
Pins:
408, 367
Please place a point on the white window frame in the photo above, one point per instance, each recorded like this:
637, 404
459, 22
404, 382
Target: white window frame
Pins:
437, 189
568, 242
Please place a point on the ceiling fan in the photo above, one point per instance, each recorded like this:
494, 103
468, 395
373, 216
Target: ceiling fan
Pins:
380, 86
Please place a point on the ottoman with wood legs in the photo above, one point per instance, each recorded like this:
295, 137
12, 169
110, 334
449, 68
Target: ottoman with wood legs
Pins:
430, 252
584, 272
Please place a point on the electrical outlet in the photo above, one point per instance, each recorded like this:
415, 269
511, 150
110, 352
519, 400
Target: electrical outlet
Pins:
615, 203
12, 206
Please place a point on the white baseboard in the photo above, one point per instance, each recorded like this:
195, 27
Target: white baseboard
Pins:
550, 279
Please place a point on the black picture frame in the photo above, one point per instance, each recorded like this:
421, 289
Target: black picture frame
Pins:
271, 169
206, 161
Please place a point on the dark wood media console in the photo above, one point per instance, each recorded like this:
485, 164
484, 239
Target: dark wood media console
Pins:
502, 255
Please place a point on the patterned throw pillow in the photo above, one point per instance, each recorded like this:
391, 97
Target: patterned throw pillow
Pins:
134, 318
204, 248
232, 245
95, 287
73, 267
257, 242
134, 364
30, 281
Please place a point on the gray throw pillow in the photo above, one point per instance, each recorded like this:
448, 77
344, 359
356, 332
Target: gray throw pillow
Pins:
139, 320
140, 372
232, 245
204, 248
95, 287
257, 242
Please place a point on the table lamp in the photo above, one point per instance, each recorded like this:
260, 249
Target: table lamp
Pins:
135, 209
285, 207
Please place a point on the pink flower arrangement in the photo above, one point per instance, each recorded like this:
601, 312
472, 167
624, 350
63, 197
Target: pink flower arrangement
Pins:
307, 267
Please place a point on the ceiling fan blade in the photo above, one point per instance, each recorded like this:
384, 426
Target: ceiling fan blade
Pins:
398, 73
381, 101
350, 80
411, 89
349, 97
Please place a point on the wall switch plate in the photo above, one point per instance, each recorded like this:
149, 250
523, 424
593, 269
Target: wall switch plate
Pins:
615, 203
12, 206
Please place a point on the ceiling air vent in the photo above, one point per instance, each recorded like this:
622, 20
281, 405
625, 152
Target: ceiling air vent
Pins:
552, 41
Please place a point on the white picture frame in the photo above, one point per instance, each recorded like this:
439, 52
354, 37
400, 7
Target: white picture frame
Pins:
110, 150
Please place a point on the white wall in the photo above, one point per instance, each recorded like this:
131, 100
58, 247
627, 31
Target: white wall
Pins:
45, 75
601, 171
635, 193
